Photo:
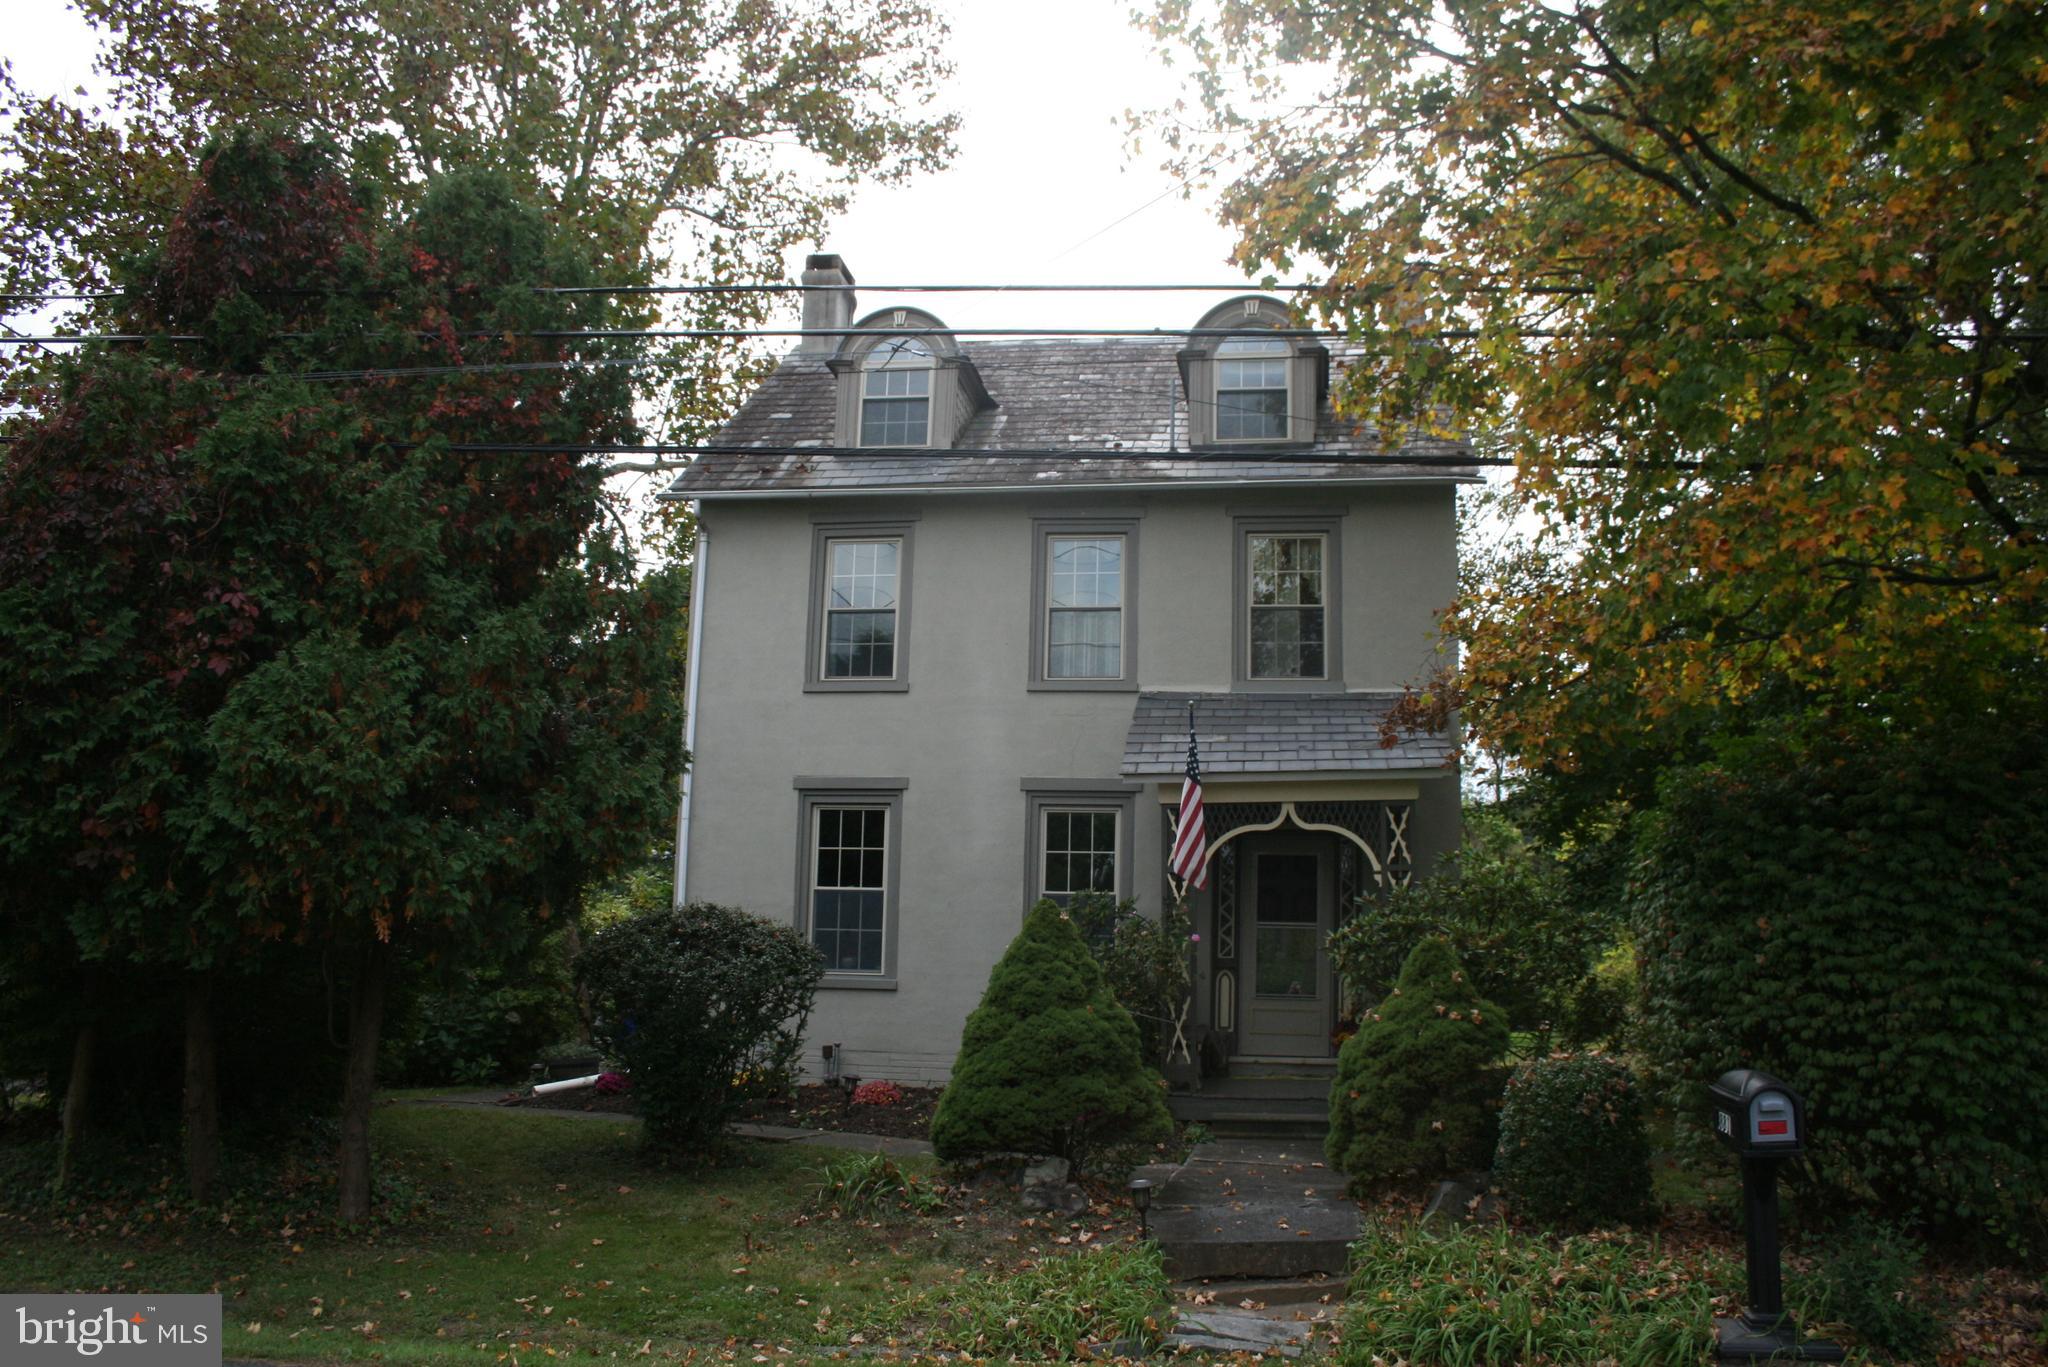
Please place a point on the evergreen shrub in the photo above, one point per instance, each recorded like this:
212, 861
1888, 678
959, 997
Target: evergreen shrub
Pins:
1869, 925
1417, 1088
1865, 1279
1573, 1151
1049, 1061
702, 1006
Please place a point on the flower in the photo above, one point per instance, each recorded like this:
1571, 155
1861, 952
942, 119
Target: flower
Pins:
1196, 936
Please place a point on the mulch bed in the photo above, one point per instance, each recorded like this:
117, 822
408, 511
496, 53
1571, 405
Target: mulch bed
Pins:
815, 1107
823, 1107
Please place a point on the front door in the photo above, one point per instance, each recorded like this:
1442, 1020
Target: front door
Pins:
1291, 890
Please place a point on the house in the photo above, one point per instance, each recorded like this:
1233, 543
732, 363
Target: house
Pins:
952, 601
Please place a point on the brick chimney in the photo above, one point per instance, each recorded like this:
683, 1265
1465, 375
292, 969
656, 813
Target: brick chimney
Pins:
828, 301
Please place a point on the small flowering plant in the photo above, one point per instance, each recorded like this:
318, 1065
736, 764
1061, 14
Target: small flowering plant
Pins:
612, 1084
877, 1094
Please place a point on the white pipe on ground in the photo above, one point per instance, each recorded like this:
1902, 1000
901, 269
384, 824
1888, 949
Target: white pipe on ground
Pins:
568, 1084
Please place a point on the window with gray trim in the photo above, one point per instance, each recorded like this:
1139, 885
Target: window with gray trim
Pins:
1078, 851
849, 885
1288, 600
1084, 600
1288, 606
861, 582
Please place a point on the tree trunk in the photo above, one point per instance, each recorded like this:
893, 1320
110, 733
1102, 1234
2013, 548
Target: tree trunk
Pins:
572, 941
365, 1023
202, 1091
77, 1096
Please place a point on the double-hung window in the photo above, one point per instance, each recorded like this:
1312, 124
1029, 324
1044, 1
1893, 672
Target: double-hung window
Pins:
848, 872
1085, 596
861, 579
896, 394
1078, 840
1251, 389
1288, 602
1080, 845
849, 886
1084, 601
859, 635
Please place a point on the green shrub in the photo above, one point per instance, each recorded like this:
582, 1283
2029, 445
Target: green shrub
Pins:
1869, 925
483, 1024
1573, 1151
1864, 1279
1603, 1008
1467, 1296
874, 1185
1417, 1087
702, 1006
1049, 1062
1046, 1312
1505, 907
1148, 964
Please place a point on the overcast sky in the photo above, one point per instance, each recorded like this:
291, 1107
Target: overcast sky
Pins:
1042, 191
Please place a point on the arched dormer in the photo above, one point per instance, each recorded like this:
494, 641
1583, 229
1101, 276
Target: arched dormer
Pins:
1253, 377
907, 386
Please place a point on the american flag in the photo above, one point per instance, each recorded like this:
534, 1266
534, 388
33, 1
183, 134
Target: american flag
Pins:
1190, 859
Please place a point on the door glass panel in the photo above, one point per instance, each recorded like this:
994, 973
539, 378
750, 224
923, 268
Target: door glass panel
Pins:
1288, 932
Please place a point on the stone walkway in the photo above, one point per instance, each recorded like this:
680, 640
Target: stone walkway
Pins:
776, 1134
1248, 1208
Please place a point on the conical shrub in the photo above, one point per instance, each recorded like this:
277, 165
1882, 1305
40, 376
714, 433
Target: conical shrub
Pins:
1049, 1062
1418, 1087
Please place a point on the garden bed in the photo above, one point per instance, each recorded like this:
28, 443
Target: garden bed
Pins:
814, 1107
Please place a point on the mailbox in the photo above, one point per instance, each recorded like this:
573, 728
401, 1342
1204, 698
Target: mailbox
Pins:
1758, 1116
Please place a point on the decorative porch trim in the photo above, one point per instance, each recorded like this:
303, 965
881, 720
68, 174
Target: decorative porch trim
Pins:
1286, 814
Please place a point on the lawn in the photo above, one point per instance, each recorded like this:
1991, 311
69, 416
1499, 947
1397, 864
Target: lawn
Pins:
535, 1236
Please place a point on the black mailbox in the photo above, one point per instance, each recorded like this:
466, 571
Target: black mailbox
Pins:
1758, 1116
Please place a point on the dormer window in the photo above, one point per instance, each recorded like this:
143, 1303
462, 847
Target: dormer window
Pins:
903, 382
1251, 389
896, 394
1253, 376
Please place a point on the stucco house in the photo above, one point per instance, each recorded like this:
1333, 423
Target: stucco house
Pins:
952, 599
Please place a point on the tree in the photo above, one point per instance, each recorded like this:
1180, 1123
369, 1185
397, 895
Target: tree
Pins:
1417, 1088
705, 137
1049, 1062
1750, 291
299, 651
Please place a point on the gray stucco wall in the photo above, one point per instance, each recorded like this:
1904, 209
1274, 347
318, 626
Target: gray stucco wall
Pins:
967, 730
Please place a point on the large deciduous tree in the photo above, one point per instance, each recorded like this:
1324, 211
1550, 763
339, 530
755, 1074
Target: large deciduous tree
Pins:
298, 650
1751, 291
704, 137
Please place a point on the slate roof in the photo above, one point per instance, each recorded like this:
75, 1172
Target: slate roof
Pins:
1268, 733
1110, 410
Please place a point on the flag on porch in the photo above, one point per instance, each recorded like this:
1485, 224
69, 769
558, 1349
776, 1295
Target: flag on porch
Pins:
1190, 859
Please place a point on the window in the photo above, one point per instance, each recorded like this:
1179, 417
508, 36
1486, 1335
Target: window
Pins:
1085, 637
1288, 610
1080, 852
1287, 607
848, 870
1084, 595
896, 394
849, 886
860, 609
860, 606
1251, 389
1078, 837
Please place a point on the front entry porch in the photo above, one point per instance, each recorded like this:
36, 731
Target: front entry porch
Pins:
1283, 874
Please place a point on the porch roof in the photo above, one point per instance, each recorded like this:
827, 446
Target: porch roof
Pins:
1275, 733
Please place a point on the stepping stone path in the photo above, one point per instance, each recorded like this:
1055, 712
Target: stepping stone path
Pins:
1246, 1208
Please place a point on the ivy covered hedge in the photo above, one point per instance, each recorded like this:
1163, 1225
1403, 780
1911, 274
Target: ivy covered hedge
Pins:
1871, 926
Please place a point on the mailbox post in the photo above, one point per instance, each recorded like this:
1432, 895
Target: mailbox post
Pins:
1764, 1122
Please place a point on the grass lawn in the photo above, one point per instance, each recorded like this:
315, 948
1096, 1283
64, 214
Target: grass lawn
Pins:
541, 1236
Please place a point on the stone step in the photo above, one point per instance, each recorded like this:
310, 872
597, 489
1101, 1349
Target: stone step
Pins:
1304, 1088
1309, 1294
1254, 1210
